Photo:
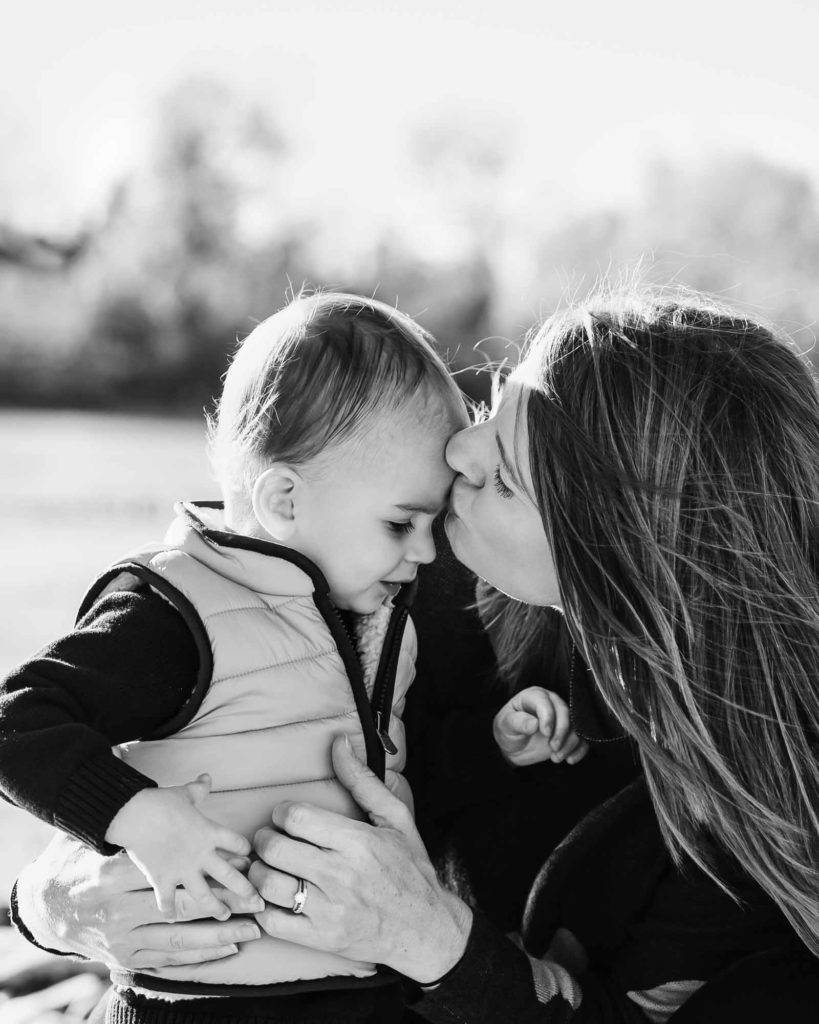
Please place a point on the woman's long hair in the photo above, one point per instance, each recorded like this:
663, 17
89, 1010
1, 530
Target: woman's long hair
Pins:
674, 449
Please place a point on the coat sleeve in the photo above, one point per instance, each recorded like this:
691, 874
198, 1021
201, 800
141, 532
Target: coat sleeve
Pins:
498, 982
126, 668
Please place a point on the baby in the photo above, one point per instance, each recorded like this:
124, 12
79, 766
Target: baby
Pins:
279, 618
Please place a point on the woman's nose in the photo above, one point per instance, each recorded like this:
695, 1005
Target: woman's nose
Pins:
460, 453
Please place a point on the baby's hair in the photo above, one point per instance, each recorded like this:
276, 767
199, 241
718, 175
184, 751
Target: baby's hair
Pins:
310, 377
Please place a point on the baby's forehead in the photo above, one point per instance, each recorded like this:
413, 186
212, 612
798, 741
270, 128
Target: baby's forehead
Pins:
403, 436
404, 443
403, 463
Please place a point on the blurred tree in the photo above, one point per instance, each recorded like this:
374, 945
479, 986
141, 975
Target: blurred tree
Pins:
178, 275
39, 252
735, 226
224, 217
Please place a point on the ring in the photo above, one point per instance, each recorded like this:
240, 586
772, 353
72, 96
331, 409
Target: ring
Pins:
300, 898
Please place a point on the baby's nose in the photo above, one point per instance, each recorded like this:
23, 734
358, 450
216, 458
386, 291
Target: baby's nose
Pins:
423, 548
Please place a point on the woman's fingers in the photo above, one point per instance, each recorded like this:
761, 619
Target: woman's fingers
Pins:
150, 961
369, 792
192, 937
289, 855
156, 945
298, 928
312, 824
278, 888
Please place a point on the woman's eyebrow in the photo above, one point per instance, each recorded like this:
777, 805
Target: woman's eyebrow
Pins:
507, 465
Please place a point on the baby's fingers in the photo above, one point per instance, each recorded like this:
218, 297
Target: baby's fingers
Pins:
578, 753
199, 890
230, 841
519, 723
569, 747
562, 725
539, 702
229, 877
165, 899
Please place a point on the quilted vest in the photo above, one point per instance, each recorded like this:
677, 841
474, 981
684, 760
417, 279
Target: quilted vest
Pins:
279, 679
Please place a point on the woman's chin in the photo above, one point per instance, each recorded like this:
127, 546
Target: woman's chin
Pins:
451, 525
454, 529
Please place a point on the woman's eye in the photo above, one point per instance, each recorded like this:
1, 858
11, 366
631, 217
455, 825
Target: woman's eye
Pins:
401, 527
500, 486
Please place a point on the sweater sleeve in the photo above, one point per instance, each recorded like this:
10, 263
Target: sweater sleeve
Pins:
498, 982
127, 668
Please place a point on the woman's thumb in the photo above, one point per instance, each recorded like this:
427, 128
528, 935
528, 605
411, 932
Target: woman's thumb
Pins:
368, 791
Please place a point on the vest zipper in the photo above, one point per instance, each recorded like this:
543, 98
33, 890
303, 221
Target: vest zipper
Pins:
384, 685
382, 728
376, 736
374, 715
355, 675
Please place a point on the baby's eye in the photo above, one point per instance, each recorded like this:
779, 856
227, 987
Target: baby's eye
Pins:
500, 486
406, 527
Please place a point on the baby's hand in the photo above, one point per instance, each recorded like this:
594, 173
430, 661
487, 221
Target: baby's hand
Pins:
173, 843
534, 726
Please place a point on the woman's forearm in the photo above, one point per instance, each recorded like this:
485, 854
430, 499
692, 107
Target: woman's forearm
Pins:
497, 982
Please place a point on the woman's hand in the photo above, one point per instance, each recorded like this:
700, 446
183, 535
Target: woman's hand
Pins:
75, 900
371, 891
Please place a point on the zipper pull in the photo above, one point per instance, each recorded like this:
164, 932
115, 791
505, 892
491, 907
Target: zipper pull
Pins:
384, 736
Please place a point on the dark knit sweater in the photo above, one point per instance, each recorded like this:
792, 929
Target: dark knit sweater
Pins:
635, 936
125, 670
130, 665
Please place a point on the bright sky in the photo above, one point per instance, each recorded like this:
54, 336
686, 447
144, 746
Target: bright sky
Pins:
591, 88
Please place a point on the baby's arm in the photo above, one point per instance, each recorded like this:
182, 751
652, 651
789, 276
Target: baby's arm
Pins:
173, 843
534, 726
101, 684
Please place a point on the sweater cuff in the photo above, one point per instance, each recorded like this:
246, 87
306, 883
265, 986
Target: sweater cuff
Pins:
20, 925
490, 981
94, 795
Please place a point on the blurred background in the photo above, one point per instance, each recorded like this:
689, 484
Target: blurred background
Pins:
171, 169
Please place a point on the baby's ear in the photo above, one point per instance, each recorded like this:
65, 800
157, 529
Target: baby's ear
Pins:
273, 503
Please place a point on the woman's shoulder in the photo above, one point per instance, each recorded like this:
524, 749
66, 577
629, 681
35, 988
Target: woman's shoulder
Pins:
613, 884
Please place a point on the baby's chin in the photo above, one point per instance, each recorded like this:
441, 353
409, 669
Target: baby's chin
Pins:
366, 603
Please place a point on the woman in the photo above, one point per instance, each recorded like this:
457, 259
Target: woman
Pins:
652, 468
